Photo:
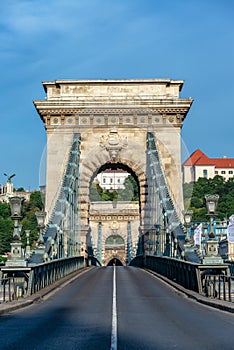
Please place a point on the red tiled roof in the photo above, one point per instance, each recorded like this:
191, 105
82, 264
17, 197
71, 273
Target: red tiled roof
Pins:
224, 162
195, 156
199, 158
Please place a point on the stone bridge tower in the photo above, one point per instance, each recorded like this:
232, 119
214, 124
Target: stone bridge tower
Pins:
113, 118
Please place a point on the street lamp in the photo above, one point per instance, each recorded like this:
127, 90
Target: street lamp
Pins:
27, 233
175, 255
211, 205
187, 220
16, 204
212, 256
40, 215
17, 257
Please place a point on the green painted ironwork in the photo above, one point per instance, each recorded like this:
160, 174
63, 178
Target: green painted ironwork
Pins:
65, 215
165, 214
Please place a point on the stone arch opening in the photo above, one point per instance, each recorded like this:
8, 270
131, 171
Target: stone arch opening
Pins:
115, 262
114, 182
97, 160
114, 221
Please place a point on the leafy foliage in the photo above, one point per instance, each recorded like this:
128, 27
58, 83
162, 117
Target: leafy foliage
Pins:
130, 192
6, 230
217, 185
20, 189
28, 221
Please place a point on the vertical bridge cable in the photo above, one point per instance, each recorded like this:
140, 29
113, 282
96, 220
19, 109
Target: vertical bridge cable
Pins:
114, 315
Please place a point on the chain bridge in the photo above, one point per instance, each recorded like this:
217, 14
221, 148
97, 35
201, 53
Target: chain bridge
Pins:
133, 125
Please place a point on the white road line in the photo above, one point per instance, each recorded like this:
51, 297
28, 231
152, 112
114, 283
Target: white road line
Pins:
114, 315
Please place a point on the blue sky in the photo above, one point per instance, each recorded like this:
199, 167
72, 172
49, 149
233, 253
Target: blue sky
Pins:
43, 40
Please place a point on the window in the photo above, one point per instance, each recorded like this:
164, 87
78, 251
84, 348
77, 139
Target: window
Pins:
111, 180
216, 172
223, 172
230, 172
205, 173
104, 180
118, 181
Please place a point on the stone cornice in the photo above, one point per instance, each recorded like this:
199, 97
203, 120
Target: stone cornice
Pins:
113, 102
98, 106
114, 111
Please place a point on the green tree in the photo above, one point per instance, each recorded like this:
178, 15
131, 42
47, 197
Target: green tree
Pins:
95, 192
6, 233
29, 221
36, 201
5, 210
20, 189
217, 185
130, 192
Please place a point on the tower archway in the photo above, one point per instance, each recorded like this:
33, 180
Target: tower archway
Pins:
114, 215
115, 262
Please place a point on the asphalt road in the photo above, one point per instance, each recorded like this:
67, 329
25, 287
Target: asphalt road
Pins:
149, 314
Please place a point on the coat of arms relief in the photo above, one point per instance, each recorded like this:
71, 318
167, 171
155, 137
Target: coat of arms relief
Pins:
113, 143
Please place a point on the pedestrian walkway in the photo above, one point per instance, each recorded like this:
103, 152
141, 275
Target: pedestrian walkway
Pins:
6, 307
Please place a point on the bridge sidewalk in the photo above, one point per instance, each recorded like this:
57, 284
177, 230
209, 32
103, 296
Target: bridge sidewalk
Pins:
216, 303
7, 307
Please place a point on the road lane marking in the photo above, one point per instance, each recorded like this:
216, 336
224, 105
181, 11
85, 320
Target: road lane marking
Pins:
114, 315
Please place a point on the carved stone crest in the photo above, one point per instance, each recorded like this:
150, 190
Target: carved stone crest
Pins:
113, 143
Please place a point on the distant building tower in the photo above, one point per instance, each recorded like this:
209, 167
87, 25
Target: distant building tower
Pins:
6, 191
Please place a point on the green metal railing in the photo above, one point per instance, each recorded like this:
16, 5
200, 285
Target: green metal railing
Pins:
45, 274
15, 284
210, 281
182, 272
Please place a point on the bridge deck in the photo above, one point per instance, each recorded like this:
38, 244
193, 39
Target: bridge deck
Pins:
150, 315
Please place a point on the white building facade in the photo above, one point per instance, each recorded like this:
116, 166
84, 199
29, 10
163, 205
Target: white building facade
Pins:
112, 179
199, 165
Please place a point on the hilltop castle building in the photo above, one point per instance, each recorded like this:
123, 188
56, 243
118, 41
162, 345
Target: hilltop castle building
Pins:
200, 165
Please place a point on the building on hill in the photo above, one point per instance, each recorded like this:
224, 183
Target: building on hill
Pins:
7, 191
112, 179
200, 165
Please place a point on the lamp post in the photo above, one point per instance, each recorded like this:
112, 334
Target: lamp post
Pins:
187, 221
212, 256
158, 239
175, 248
168, 246
60, 244
17, 256
40, 215
27, 232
